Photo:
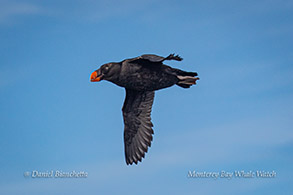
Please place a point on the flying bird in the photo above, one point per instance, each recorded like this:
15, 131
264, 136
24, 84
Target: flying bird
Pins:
141, 77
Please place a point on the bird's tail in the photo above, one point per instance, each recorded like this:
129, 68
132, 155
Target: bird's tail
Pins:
186, 79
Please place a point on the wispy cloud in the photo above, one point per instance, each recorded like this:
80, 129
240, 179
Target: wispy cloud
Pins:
9, 11
205, 146
92, 11
240, 143
101, 10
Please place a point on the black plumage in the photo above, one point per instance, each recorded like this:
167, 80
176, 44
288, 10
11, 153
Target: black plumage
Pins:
140, 77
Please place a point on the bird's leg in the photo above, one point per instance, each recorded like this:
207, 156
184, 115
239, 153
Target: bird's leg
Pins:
195, 79
188, 80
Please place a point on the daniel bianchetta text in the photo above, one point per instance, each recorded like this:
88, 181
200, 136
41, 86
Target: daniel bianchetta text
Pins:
56, 174
231, 174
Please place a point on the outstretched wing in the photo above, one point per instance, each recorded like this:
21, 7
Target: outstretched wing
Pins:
155, 59
137, 124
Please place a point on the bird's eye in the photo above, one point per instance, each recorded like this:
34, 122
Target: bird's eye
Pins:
105, 69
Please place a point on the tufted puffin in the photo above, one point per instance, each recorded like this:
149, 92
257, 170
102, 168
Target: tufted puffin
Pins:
140, 77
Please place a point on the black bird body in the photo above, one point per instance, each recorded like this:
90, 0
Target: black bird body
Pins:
145, 77
140, 77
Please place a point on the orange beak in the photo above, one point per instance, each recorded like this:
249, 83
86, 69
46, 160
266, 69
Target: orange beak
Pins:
95, 77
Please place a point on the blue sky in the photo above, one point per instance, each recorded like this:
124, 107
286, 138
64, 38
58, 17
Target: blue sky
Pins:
238, 117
